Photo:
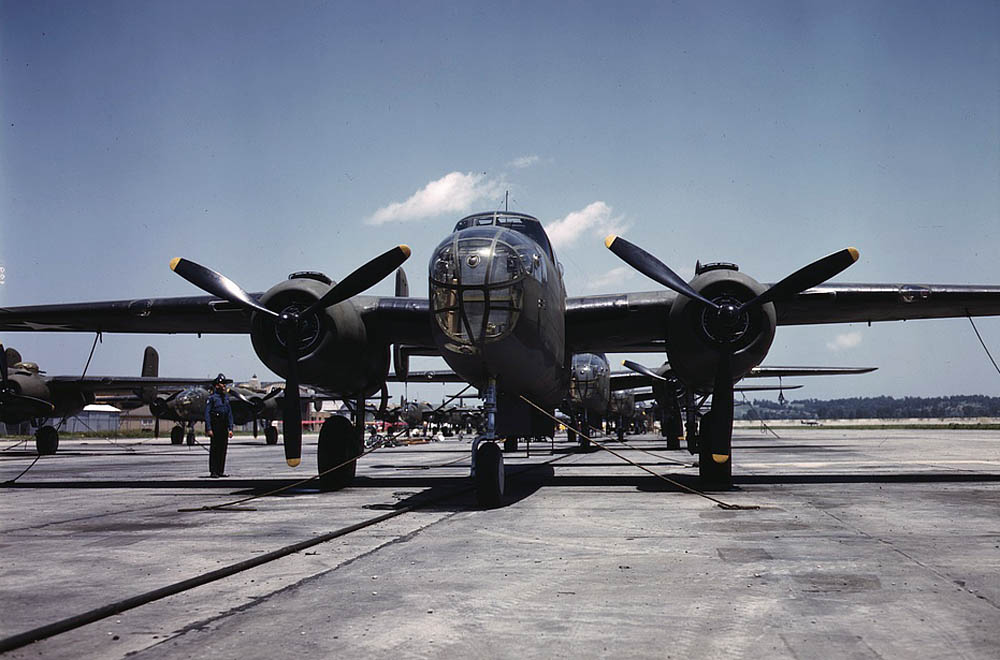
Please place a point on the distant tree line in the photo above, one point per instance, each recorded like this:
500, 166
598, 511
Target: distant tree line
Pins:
879, 407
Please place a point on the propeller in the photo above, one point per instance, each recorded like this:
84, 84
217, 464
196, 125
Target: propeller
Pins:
642, 369
291, 321
727, 320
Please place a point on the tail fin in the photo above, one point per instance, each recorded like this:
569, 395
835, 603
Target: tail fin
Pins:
12, 357
150, 369
150, 362
402, 286
400, 359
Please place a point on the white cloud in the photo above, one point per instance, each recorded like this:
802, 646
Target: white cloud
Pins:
453, 193
524, 161
613, 279
844, 341
597, 218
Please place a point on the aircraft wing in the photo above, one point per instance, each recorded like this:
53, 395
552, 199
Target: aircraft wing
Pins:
623, 323
624, 380
637, 322
435, 376
648, 396
108, 384
397, 319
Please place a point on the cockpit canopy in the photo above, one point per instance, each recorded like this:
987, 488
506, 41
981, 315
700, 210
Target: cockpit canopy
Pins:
589, 366
519, 222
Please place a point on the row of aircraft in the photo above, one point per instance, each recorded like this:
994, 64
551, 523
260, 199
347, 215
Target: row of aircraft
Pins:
498, 314
28, 394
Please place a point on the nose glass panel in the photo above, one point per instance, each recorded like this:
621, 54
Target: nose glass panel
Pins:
476, 284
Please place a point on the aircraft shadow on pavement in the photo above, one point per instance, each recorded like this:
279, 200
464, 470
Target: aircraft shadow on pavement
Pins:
519, 485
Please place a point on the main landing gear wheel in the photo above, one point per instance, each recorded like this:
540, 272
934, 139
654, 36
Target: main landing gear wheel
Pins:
570, 435
489, 475
46, 440
338, 442
714, 476
177, 435
510, 445
190, 437
271, 435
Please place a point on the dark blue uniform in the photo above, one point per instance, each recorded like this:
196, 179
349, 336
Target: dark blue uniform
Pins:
218, 418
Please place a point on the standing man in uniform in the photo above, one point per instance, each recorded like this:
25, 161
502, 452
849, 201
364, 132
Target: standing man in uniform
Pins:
219, 423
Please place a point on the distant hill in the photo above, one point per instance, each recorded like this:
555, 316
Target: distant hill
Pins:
879, 407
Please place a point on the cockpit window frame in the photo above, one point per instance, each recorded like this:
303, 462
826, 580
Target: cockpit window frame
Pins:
495, 218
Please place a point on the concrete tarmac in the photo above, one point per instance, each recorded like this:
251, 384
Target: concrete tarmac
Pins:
866, 544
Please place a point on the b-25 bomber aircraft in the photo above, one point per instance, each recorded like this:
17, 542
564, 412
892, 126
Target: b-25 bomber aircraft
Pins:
27, 395
498, 313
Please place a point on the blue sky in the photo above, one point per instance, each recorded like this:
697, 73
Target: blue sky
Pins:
264, 138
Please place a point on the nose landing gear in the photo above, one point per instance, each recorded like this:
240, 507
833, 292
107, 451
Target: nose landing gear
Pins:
487, 459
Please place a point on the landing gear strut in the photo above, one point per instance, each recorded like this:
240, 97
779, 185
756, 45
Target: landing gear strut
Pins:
487, 459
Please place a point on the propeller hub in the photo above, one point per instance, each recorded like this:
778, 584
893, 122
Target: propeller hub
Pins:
725, 324
308, 327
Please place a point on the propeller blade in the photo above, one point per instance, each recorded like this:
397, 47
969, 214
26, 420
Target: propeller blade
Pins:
806, 277
642, 369
273, 393
383, 401
219, 285
722, 410
292, 413
255, 427
652, 268
361, 279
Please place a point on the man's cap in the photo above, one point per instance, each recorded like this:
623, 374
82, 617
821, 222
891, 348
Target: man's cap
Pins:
221, 379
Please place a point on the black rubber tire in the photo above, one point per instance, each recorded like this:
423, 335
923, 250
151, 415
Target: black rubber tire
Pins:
271, 435
584, 443
177, 435
338, 442
490, 476
713, 476
570, 435
46, 440
190, 438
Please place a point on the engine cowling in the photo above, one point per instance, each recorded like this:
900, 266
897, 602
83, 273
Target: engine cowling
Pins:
336, 351
159, 407
697, 335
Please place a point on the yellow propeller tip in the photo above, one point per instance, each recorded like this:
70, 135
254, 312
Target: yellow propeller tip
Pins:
174, 262
854, 253
623, 362
720, 458
405, 249
609, 240
293, 462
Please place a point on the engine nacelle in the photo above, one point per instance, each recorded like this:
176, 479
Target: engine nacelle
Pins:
159, 407
336, 351
696, 335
